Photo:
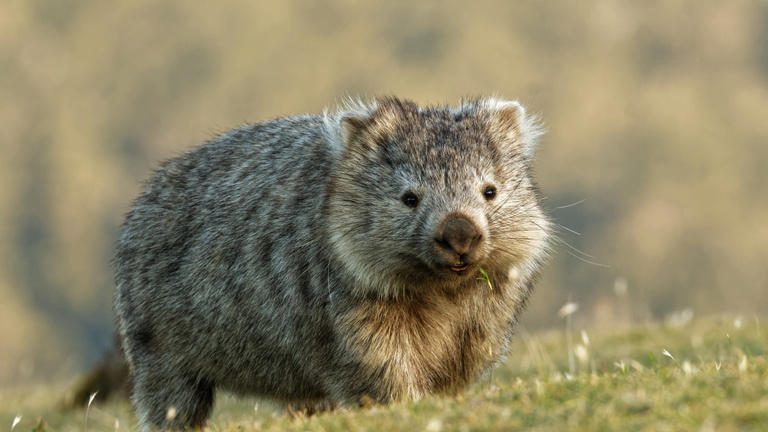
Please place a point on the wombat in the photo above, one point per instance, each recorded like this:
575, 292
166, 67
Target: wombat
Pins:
381, 251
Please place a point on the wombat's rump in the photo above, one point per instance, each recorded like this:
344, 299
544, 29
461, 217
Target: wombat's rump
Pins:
321, 260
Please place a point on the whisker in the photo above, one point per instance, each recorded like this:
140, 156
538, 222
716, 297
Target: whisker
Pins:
509, 196
573, 204
588, 261
568, 229
575, 249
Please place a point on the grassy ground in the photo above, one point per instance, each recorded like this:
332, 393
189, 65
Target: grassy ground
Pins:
710, 374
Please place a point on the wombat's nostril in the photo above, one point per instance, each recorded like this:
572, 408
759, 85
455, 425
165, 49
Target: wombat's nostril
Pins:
459, 235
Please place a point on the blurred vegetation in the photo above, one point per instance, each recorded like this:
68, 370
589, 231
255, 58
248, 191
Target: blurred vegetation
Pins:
656, 114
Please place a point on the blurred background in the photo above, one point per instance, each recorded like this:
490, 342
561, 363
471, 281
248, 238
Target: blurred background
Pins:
656, 152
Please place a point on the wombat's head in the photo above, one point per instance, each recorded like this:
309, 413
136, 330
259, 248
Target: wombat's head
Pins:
429, 196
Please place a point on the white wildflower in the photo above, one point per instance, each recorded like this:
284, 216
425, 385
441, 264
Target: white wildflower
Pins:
668, 354
581, 353
568, 309
585, 338
687, 368
435, 425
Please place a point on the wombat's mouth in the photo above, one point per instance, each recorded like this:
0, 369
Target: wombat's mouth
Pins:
458, 268
461, 269
437, 268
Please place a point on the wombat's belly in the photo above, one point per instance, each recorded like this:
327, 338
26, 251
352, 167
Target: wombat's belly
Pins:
253, 364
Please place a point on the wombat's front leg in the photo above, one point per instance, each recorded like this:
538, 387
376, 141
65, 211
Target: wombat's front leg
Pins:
167, 399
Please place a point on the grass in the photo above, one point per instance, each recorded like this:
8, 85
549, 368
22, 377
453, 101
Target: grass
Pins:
706, 375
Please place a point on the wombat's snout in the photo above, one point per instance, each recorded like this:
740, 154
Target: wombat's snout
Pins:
457, 239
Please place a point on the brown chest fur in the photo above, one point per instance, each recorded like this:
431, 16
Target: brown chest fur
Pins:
430, 343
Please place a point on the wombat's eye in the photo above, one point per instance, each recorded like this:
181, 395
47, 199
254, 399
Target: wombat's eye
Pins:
410, 199
489, 193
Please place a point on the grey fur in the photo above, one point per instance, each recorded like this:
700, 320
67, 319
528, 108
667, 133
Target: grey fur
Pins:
279, 260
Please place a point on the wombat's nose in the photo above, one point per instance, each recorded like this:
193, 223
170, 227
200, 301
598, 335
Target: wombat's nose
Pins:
458, 234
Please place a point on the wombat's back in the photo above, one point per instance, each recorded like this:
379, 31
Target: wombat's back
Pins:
213, 261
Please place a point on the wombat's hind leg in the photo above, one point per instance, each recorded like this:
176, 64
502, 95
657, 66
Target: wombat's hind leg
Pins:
169, 400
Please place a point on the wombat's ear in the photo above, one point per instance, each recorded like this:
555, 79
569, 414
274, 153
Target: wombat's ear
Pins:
513, 125
352, 126
347, 123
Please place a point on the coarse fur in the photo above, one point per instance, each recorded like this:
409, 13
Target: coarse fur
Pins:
280, 259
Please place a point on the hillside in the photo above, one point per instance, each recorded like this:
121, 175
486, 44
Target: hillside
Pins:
709, 374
